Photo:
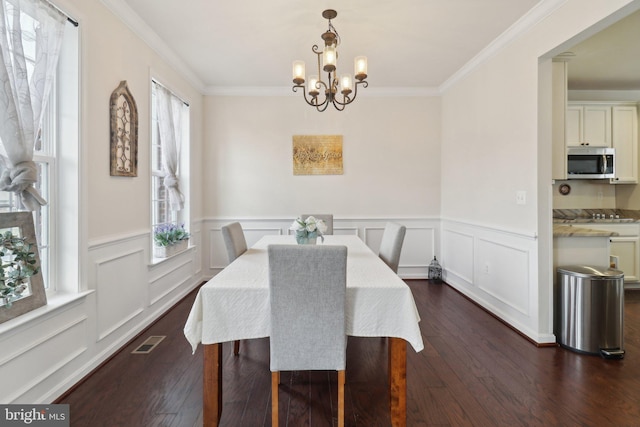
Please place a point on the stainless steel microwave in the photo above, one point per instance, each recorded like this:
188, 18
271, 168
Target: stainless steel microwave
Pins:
591, 162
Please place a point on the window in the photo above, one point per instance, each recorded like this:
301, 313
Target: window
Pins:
161, 160
58, 139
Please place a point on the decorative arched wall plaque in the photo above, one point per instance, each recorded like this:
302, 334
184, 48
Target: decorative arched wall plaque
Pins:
124, 132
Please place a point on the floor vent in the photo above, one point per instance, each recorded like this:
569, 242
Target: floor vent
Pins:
149, 344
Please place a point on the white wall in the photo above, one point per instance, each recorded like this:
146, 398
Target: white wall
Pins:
48, 350
586, 195
493, 135
391, 157
111, 53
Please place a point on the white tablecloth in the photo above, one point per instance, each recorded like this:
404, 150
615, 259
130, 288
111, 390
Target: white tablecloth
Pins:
234, 305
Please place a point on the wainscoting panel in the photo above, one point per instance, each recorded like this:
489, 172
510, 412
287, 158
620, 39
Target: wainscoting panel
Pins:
196, 242
493, 267
418, 250
458, 255
502, 271
121, 289
345, 231
167, 281
44, 355
24, 368
373, 237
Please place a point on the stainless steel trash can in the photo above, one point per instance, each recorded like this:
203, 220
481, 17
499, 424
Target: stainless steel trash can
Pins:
590, 310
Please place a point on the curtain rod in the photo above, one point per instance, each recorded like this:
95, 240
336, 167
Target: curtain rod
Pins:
70, 19
160, 84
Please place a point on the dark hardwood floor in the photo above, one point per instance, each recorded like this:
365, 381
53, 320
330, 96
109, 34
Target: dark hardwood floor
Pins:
474, 371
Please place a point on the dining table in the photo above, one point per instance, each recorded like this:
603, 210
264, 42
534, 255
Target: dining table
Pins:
234, 305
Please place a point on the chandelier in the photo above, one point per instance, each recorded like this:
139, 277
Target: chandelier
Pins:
333, 86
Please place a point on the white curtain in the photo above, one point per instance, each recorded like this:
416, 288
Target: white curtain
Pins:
170, 131
24, 91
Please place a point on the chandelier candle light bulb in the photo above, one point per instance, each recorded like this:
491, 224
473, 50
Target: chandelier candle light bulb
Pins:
314, 90
346, 84
329, 58
298, 72
361, 67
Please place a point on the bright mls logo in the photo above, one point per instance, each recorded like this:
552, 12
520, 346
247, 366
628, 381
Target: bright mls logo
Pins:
34, 415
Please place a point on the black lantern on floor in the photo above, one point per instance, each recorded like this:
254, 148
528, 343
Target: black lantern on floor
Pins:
435, 271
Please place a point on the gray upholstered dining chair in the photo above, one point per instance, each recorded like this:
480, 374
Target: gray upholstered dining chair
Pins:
307, 287
236, 245
234, 240
391, 244
327, 218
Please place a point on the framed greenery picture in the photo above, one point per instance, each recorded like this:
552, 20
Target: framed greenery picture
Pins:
21, 285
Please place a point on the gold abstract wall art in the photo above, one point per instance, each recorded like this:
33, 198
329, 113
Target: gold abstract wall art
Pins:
317, 154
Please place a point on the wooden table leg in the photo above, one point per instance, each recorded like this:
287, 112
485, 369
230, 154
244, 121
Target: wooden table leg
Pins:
212, 383
398, 381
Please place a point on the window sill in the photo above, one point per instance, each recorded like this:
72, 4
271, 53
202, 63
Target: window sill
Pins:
55, 302
156, 261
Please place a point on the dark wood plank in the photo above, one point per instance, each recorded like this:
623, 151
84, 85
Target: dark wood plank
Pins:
474, 371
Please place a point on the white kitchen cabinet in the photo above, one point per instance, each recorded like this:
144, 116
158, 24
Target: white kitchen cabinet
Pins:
597, 125
624, 138
588, 124
573, 125
625, 251
625, 247
580, 250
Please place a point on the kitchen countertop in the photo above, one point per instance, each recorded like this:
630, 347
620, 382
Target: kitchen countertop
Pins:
571, 216
568, 230
575, 222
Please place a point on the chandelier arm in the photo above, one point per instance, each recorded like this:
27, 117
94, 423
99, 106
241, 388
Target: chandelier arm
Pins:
304, 96
339, 105
346, 100
324, 106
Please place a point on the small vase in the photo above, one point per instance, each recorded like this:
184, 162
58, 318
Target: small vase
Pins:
306, 238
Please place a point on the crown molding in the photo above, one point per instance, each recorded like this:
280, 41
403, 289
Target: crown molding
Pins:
381, 92
539, 12
133, 21
136, 24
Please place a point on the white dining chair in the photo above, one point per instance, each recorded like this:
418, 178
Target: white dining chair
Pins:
307, 287
326, 218
236, 245
391, 244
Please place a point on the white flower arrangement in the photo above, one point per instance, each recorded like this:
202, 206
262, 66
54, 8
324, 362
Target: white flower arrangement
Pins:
309, 228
